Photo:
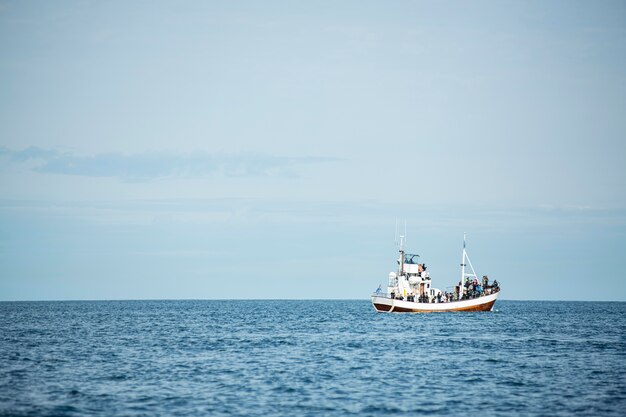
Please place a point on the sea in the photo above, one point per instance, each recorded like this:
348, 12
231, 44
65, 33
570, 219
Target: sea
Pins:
310, 358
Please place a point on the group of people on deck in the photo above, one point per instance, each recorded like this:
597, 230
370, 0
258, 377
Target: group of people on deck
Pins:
474, 289
471, 289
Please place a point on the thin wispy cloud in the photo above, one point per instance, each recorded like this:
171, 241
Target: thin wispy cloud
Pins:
154, 165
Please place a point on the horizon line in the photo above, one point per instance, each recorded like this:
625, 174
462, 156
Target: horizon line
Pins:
265, 299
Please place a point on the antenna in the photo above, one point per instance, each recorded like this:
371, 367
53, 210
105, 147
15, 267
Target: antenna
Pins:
405, 230
395, 238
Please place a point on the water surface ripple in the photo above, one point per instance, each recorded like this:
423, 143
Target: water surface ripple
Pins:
310, 358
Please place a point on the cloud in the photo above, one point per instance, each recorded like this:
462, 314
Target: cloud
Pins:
31, 152
153, 165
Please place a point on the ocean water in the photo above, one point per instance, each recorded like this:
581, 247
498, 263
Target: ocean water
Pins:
310, 358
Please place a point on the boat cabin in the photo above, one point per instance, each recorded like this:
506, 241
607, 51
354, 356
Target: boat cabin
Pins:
412, 281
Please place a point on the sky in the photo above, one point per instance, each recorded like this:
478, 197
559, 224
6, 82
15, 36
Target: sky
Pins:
246, 149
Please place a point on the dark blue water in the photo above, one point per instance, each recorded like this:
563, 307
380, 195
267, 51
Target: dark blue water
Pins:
310, 358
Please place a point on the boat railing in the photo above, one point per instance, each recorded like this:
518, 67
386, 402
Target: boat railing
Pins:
466, 297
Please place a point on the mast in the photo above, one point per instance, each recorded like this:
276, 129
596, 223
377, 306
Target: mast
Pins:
462, 269
401, 255
463, 265
402, 239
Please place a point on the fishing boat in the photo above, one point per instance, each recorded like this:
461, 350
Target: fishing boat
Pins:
410, 289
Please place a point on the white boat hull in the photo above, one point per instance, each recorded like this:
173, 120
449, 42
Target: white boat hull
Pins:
389, 305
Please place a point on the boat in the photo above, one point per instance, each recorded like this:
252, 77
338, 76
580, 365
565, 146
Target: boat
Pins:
410, 289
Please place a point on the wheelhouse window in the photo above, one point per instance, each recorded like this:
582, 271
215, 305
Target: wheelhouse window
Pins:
411, 259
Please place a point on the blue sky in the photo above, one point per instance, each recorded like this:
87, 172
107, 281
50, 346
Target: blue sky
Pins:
197, 149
